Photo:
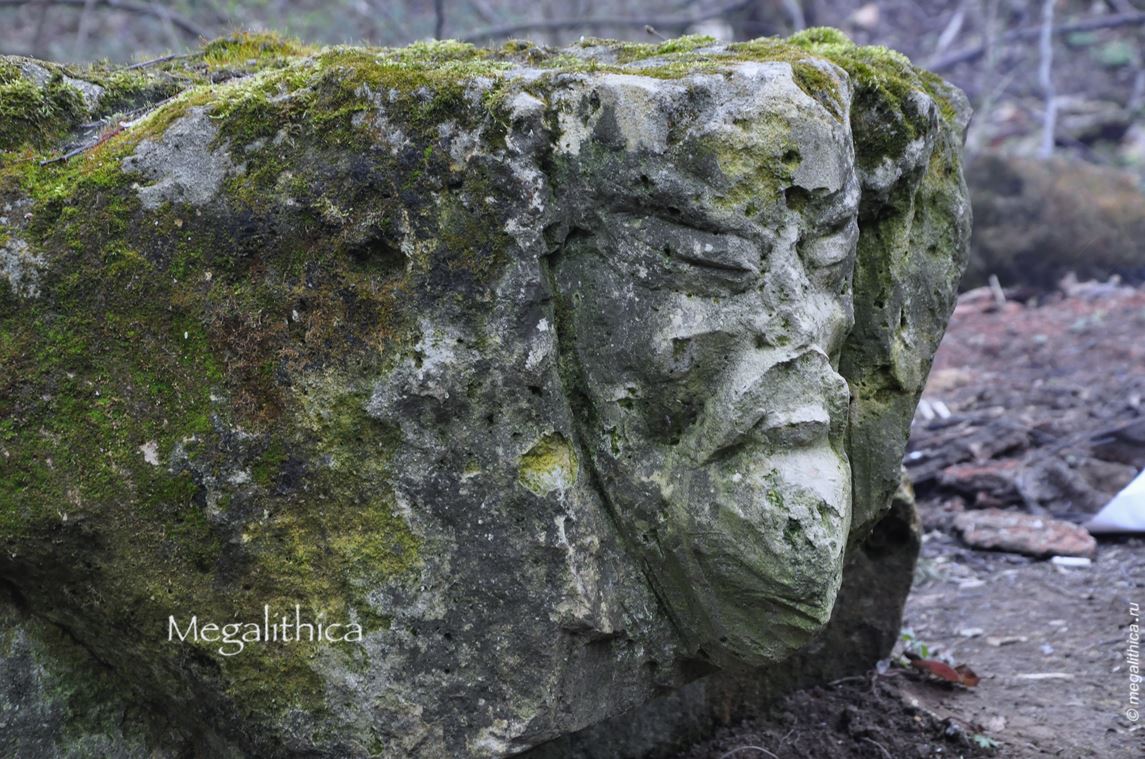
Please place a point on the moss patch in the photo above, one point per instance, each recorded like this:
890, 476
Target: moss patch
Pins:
34, 114
148, 394
549, 465
885, 115
251, 48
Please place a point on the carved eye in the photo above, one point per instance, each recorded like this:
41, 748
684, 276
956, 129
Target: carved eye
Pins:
718, 252
718, 261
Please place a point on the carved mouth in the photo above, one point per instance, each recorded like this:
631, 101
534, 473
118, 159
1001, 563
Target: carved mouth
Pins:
799, 427
786, 405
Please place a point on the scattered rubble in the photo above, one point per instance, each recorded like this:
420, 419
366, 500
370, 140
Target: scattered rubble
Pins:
1044, 396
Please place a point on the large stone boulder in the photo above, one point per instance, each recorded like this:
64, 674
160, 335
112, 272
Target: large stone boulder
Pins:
1037, 221
543, 381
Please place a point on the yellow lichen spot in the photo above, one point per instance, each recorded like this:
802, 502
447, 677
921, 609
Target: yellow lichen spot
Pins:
549, 465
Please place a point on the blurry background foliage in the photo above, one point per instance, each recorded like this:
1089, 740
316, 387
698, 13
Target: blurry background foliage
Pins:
1076, 94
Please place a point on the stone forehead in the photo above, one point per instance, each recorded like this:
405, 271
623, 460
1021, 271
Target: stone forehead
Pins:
644, 108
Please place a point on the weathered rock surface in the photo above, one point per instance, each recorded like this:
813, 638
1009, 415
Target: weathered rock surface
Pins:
567, 376
876, 580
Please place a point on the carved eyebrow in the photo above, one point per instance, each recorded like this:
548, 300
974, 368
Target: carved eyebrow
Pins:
676, 217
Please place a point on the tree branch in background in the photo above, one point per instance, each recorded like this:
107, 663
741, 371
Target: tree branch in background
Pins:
438, 19
178, 20
950, 33
1137, 94
1033, 32
38, 48
222, 16
679, 22
483, 11
399, 32
165, 17
1119, 6
991, 87
83, 29
990, 46
795, 10
1046, 79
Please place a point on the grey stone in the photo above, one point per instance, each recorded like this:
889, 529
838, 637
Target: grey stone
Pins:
21, 267
571, 377
182, 166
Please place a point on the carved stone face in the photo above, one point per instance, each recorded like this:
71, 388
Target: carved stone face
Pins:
702, 308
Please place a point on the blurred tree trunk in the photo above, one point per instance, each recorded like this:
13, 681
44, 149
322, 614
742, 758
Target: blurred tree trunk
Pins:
40, 39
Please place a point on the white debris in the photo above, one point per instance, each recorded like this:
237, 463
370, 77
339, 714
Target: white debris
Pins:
1125, 513
1071, 561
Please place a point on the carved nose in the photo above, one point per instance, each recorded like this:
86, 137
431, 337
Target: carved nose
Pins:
774, 332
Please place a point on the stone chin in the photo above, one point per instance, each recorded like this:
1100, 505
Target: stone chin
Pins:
764, 536
745, 552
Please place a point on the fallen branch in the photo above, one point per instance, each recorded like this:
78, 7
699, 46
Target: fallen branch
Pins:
142, 9
84, 148
1033, 32
156, 61
741, 749
679, 22
882, 749
125, 123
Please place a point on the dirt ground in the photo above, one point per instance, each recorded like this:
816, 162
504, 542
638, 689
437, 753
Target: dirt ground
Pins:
1038, 395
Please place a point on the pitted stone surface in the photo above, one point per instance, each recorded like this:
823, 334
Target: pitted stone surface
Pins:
569, 376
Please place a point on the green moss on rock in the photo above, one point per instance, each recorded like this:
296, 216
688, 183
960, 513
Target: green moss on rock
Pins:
886, 84
549, 465
243, 48
32, 113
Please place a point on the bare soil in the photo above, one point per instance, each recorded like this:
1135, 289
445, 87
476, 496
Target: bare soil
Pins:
1033, 390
